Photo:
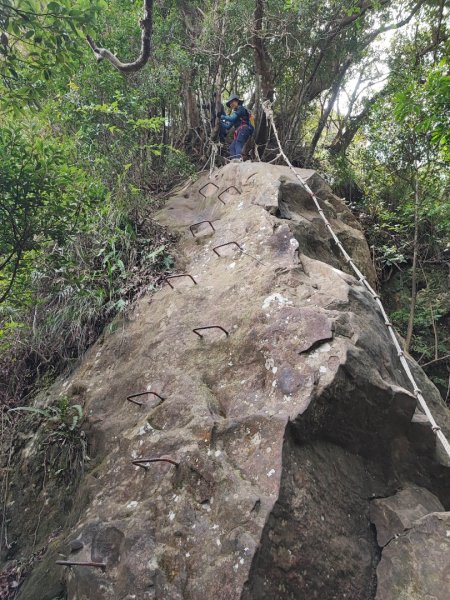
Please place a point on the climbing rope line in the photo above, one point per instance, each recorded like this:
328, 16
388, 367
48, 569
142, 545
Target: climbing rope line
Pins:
267, 106
214, 152
211, 159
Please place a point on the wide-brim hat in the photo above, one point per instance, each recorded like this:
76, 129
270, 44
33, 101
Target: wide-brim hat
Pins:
233, 97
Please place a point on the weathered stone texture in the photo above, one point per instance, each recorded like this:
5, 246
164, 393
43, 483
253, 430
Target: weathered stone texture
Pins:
391, 516
416, 565
284, 430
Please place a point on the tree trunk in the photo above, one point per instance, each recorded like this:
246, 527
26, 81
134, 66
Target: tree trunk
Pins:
324, 118
190, 104
412, 309
263, 68
219, 76
352, 125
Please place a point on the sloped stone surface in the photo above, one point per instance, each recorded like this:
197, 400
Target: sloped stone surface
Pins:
317, 543
416, 565
284, 429
391, 516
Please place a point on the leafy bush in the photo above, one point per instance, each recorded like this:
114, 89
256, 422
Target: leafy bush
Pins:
73, 255
44, 198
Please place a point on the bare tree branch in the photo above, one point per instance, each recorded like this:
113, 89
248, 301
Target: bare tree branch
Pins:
146, 36
398, 25
435, 360
351, 125
7, 259
334, 91
12, 279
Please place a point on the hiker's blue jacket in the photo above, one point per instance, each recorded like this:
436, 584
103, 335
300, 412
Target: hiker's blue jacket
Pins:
239, 117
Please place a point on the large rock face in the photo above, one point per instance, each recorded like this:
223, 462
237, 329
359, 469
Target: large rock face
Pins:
285, 425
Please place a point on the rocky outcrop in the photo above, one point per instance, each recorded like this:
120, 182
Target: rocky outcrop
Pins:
392, 516
414, 531
416, 564
282, 423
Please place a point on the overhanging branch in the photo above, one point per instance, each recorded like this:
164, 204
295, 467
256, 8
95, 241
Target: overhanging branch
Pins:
146, 36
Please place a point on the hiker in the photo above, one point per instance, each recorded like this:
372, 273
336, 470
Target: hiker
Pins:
243, 122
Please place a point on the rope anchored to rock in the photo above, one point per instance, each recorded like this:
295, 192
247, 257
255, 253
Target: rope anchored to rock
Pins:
267, 107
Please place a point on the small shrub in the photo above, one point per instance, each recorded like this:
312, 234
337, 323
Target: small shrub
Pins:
61, 439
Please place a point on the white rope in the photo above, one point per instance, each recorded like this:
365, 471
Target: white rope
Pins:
213, 158
257, 153
417, 391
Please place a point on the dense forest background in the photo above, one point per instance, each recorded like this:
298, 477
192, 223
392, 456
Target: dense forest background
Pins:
360, 90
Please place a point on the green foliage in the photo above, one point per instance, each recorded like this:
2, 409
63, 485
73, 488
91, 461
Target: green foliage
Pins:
64, 416
77, 244
425, 105
42, 198
37, 38
83, 171
404, 144
61, 440
79, 180
390, 256
431, 338
68, 292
